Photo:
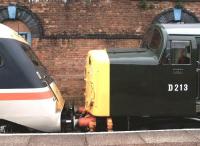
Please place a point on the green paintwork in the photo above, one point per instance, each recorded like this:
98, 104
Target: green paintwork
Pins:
139, 81
146, 57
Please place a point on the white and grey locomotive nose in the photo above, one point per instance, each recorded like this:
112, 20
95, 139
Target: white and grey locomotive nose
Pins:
26, 99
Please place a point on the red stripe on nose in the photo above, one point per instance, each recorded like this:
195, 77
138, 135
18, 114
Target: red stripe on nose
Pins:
26, 96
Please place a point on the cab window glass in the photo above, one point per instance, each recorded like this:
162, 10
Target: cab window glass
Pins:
177, 52
181, 52
1, 61
31, 55
156, 42
166, 59
147, 38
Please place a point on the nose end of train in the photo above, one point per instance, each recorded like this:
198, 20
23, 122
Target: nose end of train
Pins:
97, 92
60, 102
97, 80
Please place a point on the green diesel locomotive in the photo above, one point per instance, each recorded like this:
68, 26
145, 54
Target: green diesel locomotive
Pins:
160, 79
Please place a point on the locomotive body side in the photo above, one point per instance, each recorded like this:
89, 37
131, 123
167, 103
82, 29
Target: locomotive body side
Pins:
149, 81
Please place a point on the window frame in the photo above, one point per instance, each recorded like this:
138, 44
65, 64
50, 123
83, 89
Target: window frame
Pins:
172, 50
159, 55
180, 38
28, 36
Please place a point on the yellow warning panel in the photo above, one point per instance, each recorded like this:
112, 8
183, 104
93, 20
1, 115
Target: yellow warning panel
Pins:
97, 78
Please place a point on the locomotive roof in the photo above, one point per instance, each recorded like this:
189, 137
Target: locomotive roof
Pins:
182, 29
6, 32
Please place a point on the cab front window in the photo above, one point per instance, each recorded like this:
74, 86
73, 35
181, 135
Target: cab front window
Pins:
155, 44
41, 69
31, 55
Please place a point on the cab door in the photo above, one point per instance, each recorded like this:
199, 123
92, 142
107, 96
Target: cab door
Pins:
179, 65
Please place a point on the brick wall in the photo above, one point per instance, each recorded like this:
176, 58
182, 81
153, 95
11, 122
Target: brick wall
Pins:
65, 58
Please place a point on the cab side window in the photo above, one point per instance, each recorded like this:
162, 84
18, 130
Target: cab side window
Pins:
1, 61
177, 52
181, 52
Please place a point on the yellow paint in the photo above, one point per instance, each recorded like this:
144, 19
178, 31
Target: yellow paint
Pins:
60, 101
97, 77
6, 32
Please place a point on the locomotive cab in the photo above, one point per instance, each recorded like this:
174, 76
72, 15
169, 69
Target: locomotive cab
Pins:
160, 79
28, 95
